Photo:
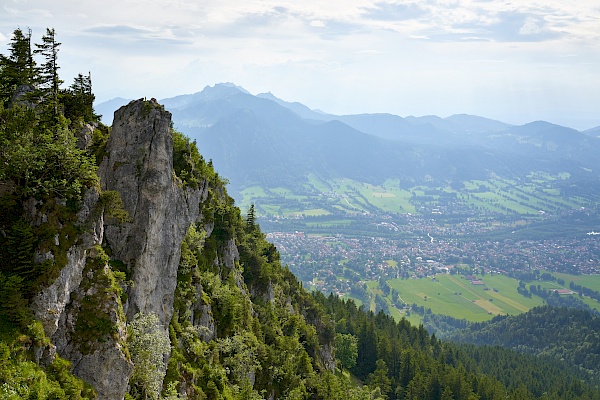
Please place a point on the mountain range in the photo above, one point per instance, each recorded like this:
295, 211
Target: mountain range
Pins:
263, 140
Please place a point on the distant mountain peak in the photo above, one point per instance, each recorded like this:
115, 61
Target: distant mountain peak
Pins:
545, 126
228, 85
223, 89
593, 131
107, 108
268, 95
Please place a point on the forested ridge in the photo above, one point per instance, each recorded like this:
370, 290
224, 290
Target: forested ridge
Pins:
566, 334
246, 331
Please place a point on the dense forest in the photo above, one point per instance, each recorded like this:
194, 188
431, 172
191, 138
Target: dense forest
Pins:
563, 333
266, 337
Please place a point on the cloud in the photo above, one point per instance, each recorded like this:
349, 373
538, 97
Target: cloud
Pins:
520, 27
28, 12
334, 29
118, 30
384, 11
531, 27
275, 21
161, 36
369, 52
494, 27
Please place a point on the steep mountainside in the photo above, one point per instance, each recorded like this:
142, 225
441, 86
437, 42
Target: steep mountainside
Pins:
123, 266
138, 165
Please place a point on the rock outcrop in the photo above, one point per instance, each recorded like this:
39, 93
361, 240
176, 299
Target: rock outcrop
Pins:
100, 361
139, 165
86, 309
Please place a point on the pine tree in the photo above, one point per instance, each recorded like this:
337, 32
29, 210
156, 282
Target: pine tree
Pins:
49, 82
78, 100
20, 242
251, 218
380, 378
447, 394
13, 306
18, 68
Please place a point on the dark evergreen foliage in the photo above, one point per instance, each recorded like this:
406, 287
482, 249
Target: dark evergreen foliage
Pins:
569, 335
18, 67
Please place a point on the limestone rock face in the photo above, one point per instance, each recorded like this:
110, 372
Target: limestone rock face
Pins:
20, 96
327, 357
102, 362
84, 138
50, 304
139, 165
57, 306
107, 370
202, 317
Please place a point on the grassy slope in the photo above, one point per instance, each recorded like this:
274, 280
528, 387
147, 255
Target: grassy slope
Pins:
320, 197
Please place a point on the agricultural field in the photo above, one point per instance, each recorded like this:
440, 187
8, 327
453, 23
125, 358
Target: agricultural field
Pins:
589, 281
531, 197
457, 297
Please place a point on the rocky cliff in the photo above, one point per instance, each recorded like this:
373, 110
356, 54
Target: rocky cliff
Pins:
139, 165
176, 255
75, 306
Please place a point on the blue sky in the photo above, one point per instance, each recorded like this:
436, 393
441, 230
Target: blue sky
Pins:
516, 61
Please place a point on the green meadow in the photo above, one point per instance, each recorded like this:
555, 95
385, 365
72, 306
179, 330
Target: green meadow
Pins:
457, 297
321, 197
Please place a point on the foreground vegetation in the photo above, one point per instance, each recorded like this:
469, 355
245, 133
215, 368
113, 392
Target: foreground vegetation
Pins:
40, 161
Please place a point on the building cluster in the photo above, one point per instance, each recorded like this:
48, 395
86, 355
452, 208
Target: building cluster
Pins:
337, 262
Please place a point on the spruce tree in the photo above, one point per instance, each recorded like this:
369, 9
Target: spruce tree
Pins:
18, 68
78, 100
47, 74
251, 219
20, 242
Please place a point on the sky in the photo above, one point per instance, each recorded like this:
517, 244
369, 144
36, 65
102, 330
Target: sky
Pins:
516, 61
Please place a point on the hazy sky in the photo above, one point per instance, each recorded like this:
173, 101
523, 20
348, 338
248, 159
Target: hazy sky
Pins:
517, 61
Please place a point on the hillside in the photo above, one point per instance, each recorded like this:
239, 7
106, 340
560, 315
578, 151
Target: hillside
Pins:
128, 272
565, 334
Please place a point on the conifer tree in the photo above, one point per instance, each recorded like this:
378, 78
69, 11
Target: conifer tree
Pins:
49, 82
251, 218
78, 100
20, 242
13, 306
18, 68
